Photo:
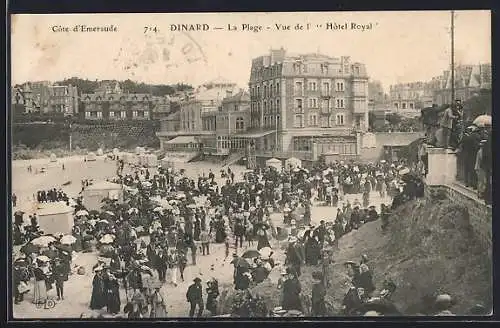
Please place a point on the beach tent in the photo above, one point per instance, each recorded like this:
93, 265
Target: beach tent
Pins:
100, 152
53, 157
90, 157
274, 162
95, 193
55, 218
293, 163
151, 160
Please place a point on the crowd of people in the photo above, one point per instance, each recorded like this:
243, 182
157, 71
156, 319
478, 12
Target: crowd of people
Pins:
168, 219
51, 196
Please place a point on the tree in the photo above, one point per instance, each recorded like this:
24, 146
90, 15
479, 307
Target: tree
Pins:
394, 119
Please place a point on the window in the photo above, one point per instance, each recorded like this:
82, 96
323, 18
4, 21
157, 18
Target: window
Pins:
87, 114
99, 114
258, 91
340, 119
235, 108
265, 106
298, 121
265, 91
123, 114
312, 86
340, 86
313, 103
298, 105
278, 88
411, 105
339, 102
277, 120
240, 124
111, 114
265, 121
403, 106
396, 105
271, 90
134, 113
326, 88
313, 120
325, 106
298, 88
277, 105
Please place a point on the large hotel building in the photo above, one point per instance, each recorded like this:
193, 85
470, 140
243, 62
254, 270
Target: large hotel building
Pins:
309, 103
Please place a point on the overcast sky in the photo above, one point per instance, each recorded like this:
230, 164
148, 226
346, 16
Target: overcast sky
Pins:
400, 47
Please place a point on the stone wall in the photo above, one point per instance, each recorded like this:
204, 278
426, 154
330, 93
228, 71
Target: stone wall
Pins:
481, 216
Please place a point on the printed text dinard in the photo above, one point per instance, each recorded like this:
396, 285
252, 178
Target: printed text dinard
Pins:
245, 27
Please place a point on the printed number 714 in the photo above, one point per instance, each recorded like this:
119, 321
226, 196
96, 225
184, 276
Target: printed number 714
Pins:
150, 29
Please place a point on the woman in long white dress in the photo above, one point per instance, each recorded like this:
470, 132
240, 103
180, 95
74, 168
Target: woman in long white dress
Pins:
40, 288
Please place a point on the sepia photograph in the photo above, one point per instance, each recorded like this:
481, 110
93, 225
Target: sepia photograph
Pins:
251, 165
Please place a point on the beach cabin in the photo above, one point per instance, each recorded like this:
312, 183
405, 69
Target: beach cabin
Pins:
274, 162
91, 157
151, 160
54, 218
95, 193
53, 157
293, 163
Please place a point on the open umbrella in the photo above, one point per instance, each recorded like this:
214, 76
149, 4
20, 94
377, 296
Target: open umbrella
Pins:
43, 258
107, 239
65, 248
191, 206
29, 248
19, 213
109, 213
82, 213
43, 241
133, 210
168, 206
158, 209
68, 240
251, 254
482, 121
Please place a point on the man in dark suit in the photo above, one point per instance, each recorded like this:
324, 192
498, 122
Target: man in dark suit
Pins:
60, 276
194, 296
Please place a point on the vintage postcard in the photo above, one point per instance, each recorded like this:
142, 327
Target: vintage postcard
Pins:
251, 165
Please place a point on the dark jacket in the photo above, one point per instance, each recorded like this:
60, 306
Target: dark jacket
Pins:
194, 293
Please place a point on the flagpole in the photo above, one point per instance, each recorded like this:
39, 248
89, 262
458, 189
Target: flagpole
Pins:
452, 56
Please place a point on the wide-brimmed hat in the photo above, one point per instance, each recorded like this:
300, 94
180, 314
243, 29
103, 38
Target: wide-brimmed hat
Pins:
197, 279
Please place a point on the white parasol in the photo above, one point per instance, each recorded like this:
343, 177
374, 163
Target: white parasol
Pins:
43, 241
110, 213
107, 239
158, 209
68, 240
43, 258
133, 210
82, 213
482, 121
